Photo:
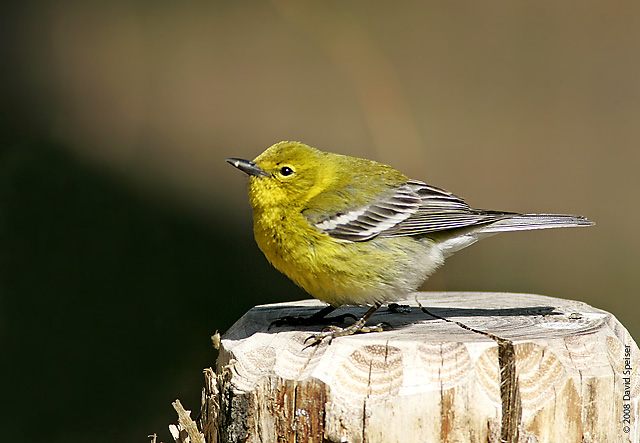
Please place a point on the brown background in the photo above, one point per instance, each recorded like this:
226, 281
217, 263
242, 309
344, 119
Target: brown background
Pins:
127, 238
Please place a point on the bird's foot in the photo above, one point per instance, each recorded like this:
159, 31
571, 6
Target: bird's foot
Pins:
332, 332
398, 309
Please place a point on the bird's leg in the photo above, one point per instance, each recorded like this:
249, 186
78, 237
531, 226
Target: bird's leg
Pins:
359, 326
319, 318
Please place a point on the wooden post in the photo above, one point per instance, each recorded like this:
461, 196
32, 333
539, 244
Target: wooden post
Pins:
453, 367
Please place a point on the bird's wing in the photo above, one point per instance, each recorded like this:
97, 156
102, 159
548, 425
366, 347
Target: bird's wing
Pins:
365, 222
439, 211
414, 208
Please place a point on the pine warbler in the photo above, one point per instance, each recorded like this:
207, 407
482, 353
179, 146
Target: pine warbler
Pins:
352, 231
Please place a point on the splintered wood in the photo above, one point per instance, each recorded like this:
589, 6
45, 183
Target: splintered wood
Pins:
486, 367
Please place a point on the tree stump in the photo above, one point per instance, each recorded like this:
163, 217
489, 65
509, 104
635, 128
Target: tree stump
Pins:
452, 367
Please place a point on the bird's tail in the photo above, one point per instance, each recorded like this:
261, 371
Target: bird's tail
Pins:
526, 222
461, 238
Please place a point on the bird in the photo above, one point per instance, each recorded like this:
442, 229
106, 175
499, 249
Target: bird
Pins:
352, 231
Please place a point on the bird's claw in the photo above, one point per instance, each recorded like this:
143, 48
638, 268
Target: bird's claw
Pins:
332, 332
398, 309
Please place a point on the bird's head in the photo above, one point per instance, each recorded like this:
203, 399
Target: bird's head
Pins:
287, 173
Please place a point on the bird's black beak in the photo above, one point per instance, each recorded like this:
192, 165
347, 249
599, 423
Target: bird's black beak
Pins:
248, 167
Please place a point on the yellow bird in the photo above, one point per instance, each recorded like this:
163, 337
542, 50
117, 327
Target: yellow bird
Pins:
352, 231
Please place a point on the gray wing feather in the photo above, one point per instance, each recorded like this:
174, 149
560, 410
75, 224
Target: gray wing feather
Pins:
416, 208
369, 221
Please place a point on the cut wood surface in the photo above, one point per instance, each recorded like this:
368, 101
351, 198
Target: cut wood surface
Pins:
467, 367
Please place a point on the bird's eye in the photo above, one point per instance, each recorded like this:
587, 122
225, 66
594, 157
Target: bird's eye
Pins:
286, 170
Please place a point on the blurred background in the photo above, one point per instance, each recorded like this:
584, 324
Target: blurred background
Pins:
126, 241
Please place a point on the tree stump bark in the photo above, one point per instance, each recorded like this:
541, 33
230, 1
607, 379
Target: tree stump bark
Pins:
453, 367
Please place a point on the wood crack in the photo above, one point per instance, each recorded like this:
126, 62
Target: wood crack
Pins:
509, 392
